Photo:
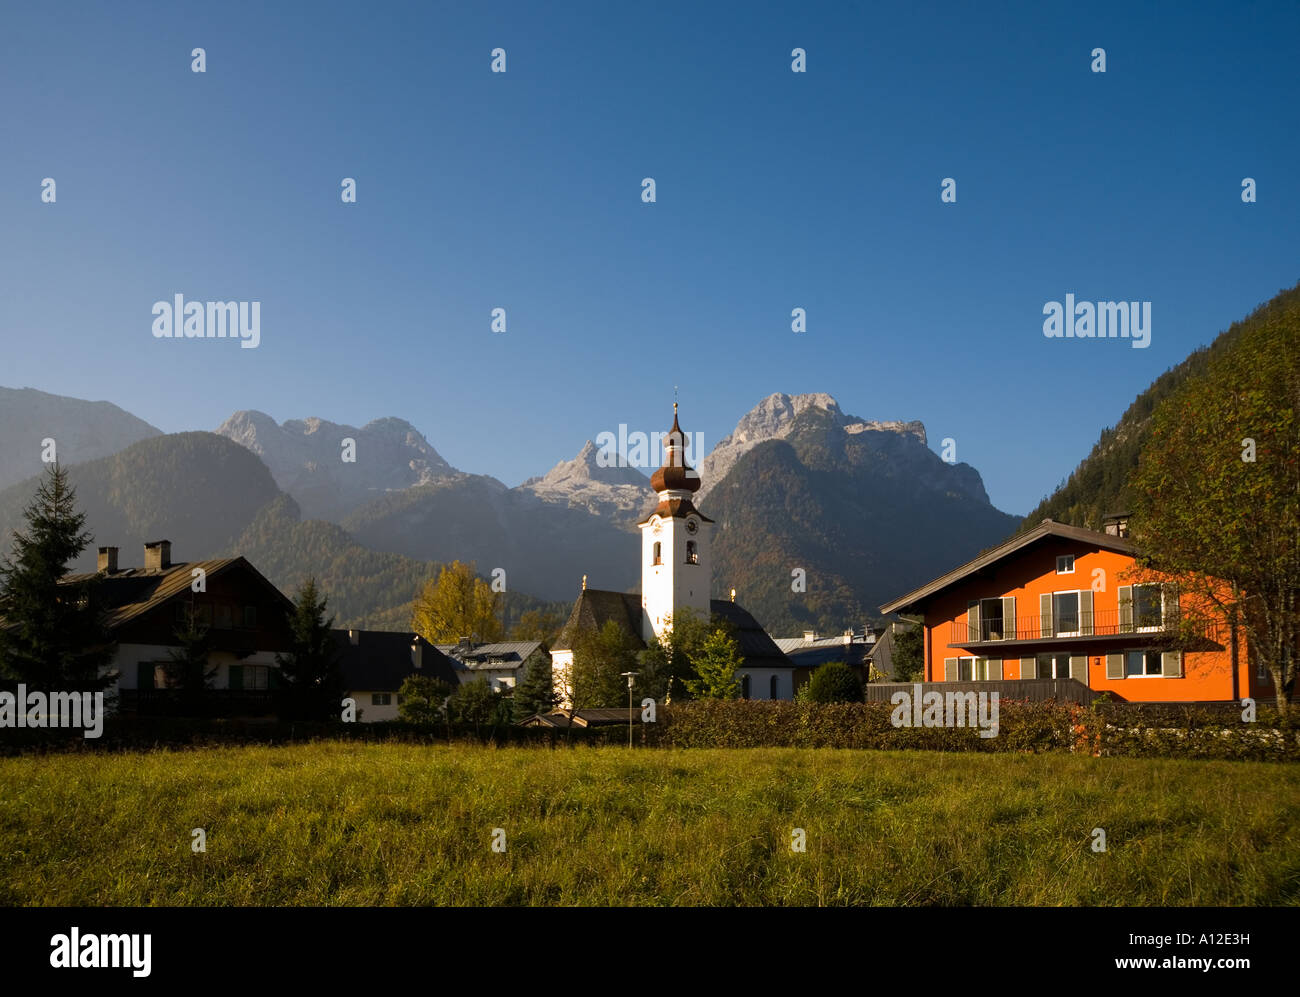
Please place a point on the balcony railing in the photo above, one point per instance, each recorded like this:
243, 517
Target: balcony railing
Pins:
1105, 623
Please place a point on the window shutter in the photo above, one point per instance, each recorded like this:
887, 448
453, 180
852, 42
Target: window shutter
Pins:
1085, 611
1169, 608
972, 621
1114, 666
144, 675
273, 678
995, 668
1045, 615
1079, 667
1029, 668
1171, 664
950, 669
1008, 617
1126, 609
236, 677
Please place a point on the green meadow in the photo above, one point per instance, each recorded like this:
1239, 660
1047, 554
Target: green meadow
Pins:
341, 823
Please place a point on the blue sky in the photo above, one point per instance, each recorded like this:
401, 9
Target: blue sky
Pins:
523, 191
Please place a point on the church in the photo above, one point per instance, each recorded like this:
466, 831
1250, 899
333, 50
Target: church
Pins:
676, 574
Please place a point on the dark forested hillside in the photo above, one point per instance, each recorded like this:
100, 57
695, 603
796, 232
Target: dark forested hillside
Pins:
197, 490
1099, 485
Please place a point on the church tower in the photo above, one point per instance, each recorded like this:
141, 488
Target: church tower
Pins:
676, 570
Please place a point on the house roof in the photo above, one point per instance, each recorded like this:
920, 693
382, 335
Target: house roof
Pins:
913, 601
594, 608
809, 654
502, 654
380, 660
602, 717
128, 594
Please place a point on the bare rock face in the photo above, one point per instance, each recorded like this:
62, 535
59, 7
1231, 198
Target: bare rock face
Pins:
305, 457
773, 419
621, 494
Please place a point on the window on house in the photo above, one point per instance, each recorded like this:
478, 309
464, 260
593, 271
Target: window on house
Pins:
224, 617
1065, 613
658, 554
381, 699
1140, 663
692, 556
257, 676
1065, 564
250, 616
1148, 610
773, 688
972, 669
991, 619
1053, 666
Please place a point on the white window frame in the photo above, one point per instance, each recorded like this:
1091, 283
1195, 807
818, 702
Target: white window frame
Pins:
263, 672
1063, 557
975, 668
1133, 596
1052, 656
1078, 613
1145, 652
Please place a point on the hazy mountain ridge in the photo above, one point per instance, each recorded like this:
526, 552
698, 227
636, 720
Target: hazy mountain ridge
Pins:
82, 431
306, 458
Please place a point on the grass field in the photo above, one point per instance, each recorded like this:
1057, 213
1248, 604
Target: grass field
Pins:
335, 823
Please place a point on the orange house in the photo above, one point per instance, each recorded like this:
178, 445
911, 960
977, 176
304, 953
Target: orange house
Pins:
1068, 603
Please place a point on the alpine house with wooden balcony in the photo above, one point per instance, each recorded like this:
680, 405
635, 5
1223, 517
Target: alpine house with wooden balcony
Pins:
1061, 602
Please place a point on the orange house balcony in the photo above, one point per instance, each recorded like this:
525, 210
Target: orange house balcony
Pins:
1082, 627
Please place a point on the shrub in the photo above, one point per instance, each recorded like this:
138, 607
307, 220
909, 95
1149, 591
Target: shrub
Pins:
834, 682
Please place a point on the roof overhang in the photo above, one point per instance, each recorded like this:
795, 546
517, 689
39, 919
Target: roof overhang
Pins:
914, 601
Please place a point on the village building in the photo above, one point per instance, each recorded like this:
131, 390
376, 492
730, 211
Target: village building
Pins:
676, 575
808, 653
503, 663
247, 619
1065, 603
375, 663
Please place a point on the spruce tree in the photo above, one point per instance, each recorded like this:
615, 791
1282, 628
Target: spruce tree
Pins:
310, 671
188, 670
536, 693
52, 637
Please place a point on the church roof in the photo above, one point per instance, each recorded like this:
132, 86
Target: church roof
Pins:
674, 475
594, 608
756, 646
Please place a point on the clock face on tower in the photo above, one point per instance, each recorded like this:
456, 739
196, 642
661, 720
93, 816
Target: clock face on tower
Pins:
692, 527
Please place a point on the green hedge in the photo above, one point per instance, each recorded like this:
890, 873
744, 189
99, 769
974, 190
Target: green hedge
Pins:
1112, 729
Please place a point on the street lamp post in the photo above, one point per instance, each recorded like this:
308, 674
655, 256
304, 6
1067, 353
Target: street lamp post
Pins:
629, 676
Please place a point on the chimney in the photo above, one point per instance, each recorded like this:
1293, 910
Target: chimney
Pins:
465, 645
848, 636
354, 637
108, 560
417, 652
809, 636
158, 555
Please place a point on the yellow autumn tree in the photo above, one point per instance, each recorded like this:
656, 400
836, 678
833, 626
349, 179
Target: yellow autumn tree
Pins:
457, 604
